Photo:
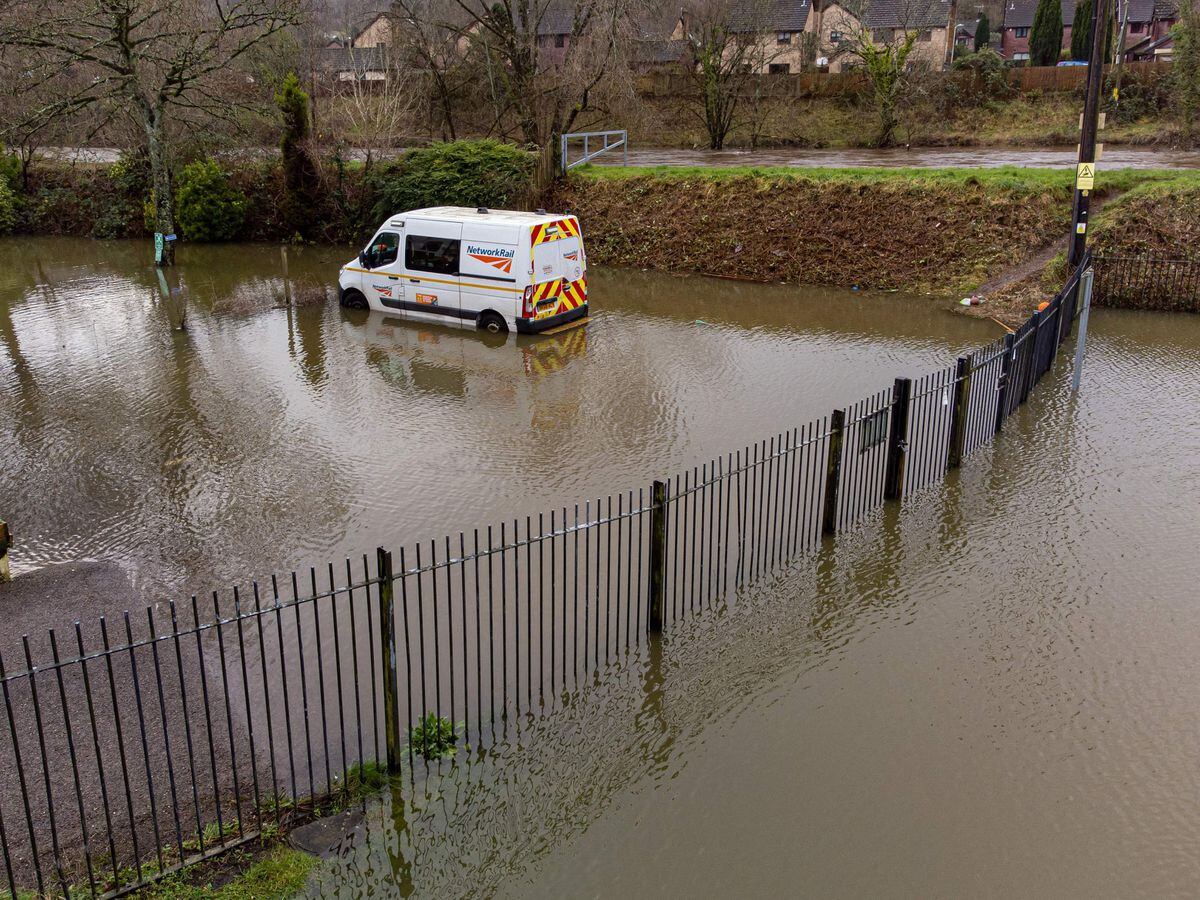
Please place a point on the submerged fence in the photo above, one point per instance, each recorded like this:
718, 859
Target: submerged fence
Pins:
131, 748
1148, 282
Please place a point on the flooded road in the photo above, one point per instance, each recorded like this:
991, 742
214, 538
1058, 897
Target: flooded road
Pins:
900, 157
990, 692
260, 441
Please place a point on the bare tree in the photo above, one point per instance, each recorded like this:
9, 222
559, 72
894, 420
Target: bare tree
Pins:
546, 60
730, 45
432, 37
163, 62
885, 53
380, 99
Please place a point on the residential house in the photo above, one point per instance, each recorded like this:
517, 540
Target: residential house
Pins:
934, 22
791, 35
1153, 41
1018, 24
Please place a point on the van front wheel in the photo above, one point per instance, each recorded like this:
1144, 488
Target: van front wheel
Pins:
493, 323
353, 299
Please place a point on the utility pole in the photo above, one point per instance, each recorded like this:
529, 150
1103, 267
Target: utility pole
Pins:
1085, 171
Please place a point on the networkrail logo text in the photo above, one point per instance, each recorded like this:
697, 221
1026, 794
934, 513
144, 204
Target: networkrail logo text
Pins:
497, 257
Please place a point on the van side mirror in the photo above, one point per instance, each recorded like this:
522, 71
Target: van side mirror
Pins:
364, 258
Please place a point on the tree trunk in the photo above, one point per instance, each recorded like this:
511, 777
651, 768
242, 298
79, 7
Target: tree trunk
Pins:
160, 179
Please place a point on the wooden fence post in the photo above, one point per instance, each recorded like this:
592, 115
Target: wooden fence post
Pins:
5, 543
387, 640
287, 281
833, 469
658, 554
897, 441
958, 422
1004, 385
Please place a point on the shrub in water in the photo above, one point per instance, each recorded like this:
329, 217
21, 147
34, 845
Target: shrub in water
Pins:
209, 208
435, 737
462, 173
8, 208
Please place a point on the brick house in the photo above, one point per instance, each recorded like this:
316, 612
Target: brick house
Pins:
934, 21
1149, 20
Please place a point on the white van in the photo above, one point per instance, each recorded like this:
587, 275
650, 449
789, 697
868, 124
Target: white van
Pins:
494, 269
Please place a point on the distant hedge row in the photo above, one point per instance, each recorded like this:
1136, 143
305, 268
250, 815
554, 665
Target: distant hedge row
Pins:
242, 199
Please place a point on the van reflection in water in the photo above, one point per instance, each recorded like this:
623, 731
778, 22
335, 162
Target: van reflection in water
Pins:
446, 362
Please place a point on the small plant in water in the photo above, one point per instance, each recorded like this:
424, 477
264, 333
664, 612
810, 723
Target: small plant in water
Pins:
435, 737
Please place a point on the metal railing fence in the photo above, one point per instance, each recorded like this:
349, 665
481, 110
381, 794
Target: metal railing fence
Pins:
1148, 282
130, 749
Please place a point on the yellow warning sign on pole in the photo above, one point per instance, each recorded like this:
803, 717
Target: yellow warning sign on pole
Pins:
1085, 177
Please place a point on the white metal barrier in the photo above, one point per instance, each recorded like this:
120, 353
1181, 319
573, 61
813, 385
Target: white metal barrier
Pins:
607, 140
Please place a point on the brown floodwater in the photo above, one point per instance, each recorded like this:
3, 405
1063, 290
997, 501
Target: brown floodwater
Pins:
992, 690
262, 439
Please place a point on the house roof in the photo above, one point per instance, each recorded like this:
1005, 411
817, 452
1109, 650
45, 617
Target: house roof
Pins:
1020, 13
1166, 9
346, 59
649, 51
908, 14
768, 15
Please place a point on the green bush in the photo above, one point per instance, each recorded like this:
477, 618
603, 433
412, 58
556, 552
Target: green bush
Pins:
434, 737
8, 208
209, 208
10, 169
301, 179
463, 173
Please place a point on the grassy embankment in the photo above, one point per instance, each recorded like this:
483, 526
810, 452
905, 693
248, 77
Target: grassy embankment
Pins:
1028, 120
942, 231
1155, 217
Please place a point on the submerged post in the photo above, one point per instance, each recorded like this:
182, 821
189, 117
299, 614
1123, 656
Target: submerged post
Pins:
5, 543
387, 645
658, 554
833, 469
1003, 386
1085, 291
893, 485
287, 281
958, 422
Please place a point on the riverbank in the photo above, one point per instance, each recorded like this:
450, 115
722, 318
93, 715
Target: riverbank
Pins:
1157, 218
928, 230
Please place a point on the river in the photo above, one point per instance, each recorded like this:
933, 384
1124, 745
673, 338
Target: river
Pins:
894, 157
991, 690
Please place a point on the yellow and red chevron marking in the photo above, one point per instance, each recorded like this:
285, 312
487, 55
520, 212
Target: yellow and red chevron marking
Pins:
555, 231
574, 295
547, 290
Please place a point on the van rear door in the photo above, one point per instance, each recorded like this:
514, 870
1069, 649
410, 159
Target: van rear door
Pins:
558, 264
432, 252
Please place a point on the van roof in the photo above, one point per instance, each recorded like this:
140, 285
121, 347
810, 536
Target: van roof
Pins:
491, 217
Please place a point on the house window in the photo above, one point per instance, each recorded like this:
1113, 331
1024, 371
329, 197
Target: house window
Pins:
1021, 57
836, 37
925, 36
884, 35
778, 68
560, 40
783, 37
1021, 32
1135, 27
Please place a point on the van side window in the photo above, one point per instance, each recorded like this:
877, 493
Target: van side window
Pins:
431, 254
384, 249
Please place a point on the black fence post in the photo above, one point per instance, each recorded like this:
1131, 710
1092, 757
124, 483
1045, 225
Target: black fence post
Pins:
658, 554
1004, 384
833, 469
958, 420
387, 645
897, 444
